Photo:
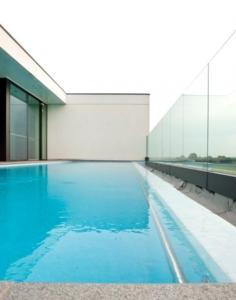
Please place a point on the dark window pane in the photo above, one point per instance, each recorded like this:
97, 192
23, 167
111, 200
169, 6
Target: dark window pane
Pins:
18, 124
27, 132
33, 128
44, 132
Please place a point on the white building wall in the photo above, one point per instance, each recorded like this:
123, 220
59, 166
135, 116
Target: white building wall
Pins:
99, 126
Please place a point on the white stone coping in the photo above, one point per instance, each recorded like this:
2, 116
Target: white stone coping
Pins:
31, 164
215, 235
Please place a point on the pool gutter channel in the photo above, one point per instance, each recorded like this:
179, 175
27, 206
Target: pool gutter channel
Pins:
178, 273
170, 253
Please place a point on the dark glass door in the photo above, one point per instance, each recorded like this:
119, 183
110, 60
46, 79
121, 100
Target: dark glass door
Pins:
18, 124
33, 129
28, 126
43, 131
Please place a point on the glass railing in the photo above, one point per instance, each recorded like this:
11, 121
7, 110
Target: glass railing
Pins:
199, 131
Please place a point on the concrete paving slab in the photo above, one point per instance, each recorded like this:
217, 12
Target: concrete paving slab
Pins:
4, 289
37, 291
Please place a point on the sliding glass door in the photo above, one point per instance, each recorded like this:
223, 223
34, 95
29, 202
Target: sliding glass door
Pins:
43, 131
27, 126
18, 124
33, 128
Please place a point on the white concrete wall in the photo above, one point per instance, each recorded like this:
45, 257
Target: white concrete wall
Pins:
99, 126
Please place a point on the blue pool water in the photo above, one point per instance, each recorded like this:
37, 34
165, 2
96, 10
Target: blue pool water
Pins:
87, 222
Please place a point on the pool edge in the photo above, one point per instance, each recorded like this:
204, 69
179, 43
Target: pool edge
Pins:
28, 291
190, 213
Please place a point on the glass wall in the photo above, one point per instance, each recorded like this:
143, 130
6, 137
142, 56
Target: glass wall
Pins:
199, 131
27, 126
222, 110
18, 124
33, 128
195, 124
43, 131
177, 131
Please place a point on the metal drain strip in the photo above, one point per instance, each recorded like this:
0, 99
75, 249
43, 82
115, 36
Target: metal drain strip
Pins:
176, 268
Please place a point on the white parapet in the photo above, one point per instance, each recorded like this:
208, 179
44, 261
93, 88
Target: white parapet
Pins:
99, 127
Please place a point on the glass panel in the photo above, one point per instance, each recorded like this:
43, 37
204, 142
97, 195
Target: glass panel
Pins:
155, 143
177, 137
33, 128
28, 134
44, 131
195, 102
166, 137
18, 124
199, 131
160, 141
181, 136
222, 110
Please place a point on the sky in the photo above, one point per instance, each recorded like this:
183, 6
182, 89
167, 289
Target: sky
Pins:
123, 46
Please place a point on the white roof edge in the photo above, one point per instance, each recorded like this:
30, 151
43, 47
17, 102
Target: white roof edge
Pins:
109, 94
107, 99
17, 52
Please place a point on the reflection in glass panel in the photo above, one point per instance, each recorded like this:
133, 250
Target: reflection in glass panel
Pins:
222, 108
28, 126
195, 122
18, 124
155, 143
181, 136
202, 130
33, 128
44, 131
160, 141
166, 137
177, 141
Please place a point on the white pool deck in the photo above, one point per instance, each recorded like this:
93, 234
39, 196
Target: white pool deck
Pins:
29, 163
215, 235
66, 291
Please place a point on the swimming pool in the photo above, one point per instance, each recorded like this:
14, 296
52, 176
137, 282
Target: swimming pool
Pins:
91, 222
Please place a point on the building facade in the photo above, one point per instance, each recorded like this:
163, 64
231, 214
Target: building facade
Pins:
39, 120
